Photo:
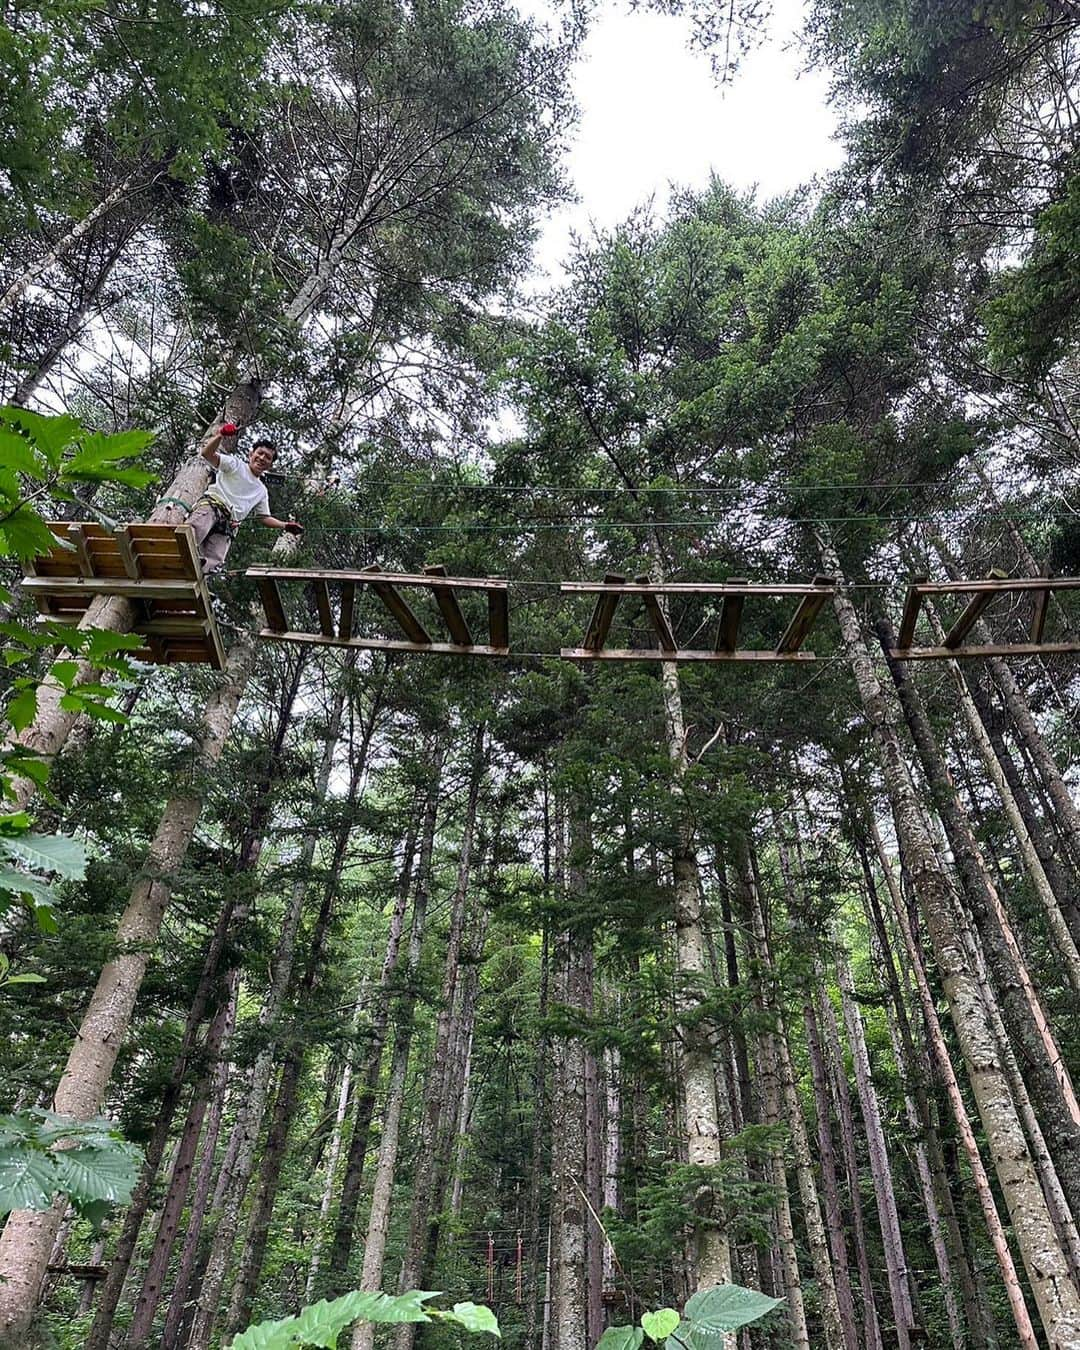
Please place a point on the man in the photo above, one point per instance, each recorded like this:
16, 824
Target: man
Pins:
237, 491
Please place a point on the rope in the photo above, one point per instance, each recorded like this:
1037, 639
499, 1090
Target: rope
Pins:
174, 501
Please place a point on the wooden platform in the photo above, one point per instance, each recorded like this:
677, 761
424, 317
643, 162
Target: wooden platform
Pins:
156, 567
733, 593
980, 594
332, 604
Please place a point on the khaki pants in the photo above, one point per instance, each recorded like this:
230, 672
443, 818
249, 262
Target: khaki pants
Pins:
213, 534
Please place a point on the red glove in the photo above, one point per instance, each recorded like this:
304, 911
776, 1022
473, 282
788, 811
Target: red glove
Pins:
229, 428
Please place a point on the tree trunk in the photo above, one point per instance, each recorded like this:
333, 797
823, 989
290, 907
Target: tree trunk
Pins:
1044, 1069
371, 1275
100, 1331
1044, 1260
569, 1231
341, 1248
426, 1202
712, 1254
896, 1264
40, 266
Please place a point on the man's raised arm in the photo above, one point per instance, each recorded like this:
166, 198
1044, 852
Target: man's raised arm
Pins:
212, 445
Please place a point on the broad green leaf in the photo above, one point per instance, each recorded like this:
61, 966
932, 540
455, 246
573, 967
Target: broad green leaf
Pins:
108, 1172
26, 978
50, 853
728, 1307
64, 672
24, 534
17, 454
45, 918
621, 1338
51, 435
473, 1317
25, 883
103, 643
680, 1338
323, 1322
27, 1178
22, 709
659, 1325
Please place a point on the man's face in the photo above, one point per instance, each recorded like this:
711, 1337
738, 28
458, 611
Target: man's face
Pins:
260, 460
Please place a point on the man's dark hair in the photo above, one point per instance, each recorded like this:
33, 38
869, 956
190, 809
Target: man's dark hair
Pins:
266, 445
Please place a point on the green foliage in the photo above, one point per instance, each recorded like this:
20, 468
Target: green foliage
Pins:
54, 454
43, 1155
322, 1323
709, 1316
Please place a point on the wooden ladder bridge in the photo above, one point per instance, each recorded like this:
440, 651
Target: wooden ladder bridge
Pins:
157, 568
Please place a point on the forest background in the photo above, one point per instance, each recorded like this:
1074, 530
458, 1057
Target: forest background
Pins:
565, 988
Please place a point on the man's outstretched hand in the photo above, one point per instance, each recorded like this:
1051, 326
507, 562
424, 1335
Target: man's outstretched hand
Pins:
293, 527
228, 429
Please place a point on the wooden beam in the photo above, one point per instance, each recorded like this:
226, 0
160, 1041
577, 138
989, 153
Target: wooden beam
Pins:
322, 605
682, 654
1041, 603
348, 604
77, 539
128, 556
131, 590
499, 619
727, 632
912, 606
384, 644
368, 575
273, 604
803, 619
656, 614
1001, 583
599, 625
188, 550
450, 609
967, 621
990, 649
387, 593
687, 588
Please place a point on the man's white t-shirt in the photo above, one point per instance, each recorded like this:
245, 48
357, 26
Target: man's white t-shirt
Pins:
238, 488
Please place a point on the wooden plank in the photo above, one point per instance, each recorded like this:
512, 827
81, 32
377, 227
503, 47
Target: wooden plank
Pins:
967, 621
322, 605
912, 604
656, 614
188, 551
1041, 599
499, 619
272, 604
348, 605
687, 588
727, 631
682, 654
385, 644
132, 590
803, 619
990, 649
369, 574
450, 609
596, 630
77, 538
190, 627
387, 593
215, 650
128, 556
1001, 584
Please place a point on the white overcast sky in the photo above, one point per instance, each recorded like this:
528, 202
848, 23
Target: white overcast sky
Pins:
652, 116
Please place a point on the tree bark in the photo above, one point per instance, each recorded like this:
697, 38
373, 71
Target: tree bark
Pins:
1044, 1260
371, 1275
